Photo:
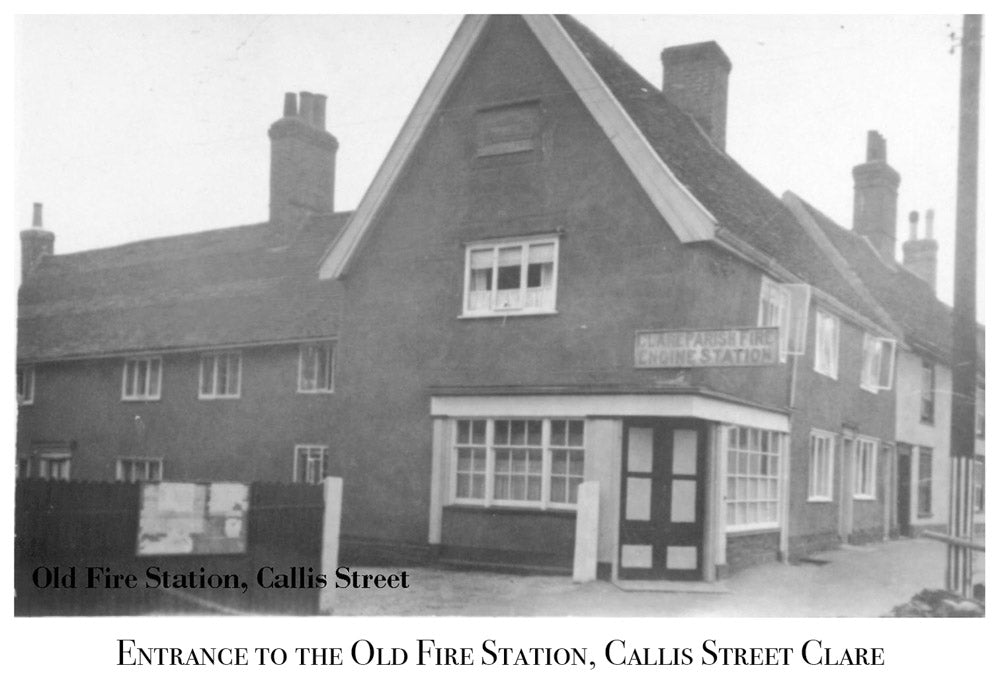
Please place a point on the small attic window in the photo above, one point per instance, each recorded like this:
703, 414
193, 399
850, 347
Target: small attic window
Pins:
508, 129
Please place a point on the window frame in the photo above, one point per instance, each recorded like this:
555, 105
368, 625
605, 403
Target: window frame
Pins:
545, 501
776, 295
877, 355
135, 460
146, 395
320, 345
928, 394
28, 372
45, 462
308, 475
779, 439
813, 495
832, 367
215, 356
925, 482
865, 491
524, 243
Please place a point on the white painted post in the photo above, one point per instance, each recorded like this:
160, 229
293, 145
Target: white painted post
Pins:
333, 493
585, 549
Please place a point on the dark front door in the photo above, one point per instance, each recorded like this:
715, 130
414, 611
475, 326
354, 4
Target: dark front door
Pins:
904, 462
663, 499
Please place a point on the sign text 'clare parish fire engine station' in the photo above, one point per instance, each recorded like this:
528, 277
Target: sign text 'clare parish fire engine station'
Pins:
731, 347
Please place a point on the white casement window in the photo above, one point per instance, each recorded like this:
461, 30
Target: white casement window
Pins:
753, 466
25, 385
219, 376
518, 462
133, 470
141, 378
879, 360
54, 467
774, 310
511, 277
865, 468
827, 344
316, 367
822, 447
310, 464
927, 386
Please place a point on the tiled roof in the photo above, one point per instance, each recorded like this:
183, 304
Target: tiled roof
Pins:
911, 301
208, 289
739, 202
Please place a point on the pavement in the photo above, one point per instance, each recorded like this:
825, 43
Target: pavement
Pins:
852, 581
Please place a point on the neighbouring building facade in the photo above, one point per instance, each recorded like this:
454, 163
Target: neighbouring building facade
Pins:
557, 276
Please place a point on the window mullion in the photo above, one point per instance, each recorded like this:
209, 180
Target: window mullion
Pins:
546, 462
488, 479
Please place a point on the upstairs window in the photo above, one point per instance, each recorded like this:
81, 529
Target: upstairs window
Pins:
25, 385
316, 368
310, 464
927, 392
511, 277
220, 375
774, 310
864, 468
141, 378
878, 363
827, 344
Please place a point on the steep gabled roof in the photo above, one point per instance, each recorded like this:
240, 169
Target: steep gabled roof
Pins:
233, 286
702, 193
912, 302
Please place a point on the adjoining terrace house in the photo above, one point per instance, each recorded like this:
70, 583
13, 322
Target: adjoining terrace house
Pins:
919, 487
513, 283
204, 356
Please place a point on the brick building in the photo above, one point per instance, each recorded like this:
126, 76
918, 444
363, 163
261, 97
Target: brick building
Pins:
501, 304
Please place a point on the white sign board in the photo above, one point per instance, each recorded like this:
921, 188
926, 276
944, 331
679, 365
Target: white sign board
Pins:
730, 347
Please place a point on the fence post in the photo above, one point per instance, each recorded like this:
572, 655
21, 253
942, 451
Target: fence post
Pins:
585, 548
333, 492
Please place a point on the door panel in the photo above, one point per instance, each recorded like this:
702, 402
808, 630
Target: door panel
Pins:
663, 501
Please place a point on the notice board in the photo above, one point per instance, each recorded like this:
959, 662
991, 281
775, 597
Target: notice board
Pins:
193, 518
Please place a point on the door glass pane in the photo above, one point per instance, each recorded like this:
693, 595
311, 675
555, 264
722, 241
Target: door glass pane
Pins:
640, 449
685, 451
637, 498
682, 500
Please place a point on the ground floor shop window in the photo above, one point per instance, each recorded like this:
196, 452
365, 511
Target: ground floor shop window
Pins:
139, 469
753, 461
925, 482
518, 462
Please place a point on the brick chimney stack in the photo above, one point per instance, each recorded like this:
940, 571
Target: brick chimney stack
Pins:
303, 162
36, 243
876, 187
696, 78
920, 255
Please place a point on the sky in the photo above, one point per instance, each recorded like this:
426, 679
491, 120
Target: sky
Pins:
131, 127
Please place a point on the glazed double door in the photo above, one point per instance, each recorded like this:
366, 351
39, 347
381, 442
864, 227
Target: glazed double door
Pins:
663, 499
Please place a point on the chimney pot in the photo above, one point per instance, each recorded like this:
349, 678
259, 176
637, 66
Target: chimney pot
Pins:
306, 106
319, 111
36, 243
291, 107
36, 215
929, 220
914, 220
876, 147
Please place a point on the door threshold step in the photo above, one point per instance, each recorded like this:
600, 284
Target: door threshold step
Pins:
681, 586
